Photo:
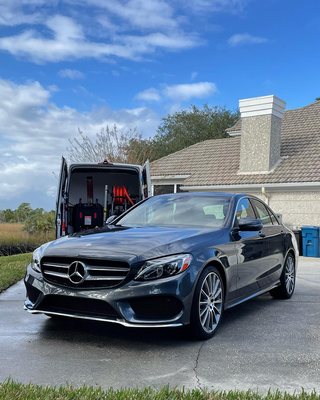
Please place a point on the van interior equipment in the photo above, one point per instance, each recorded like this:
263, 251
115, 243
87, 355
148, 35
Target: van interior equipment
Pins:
109, 189
87, 215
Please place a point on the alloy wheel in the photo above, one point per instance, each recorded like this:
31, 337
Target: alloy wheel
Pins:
210, 302
289, 275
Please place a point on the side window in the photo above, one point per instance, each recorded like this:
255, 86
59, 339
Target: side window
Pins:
262, 212
244, 209
273, 218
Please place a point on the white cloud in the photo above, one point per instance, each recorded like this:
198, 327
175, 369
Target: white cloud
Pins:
150, 94
151, 14
245, 38
180, 92
131, 29
68, 41
205, 6
193, 75
11, 14
34, 133
71, 74
99, 29
187, 91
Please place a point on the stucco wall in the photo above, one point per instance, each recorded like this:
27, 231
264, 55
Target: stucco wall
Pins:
297, 208
260, 143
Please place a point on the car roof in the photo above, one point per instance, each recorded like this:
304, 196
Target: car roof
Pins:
203, 194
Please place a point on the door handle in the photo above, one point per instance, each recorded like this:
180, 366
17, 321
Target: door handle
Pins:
261, 234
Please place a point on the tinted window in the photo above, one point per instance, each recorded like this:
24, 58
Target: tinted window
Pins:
179, 189
273, 217
262, 212
180, 210
244, 209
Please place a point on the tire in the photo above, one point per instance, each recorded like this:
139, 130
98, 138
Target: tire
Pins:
287, 280
207, 305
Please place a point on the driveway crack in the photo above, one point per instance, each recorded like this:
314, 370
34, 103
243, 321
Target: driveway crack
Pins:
196, 365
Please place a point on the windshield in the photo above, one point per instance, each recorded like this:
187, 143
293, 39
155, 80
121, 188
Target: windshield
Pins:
177, 210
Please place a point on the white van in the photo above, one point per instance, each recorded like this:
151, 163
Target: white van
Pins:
88, 194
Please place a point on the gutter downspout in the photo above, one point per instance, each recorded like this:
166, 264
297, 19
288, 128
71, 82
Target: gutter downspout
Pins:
266, 196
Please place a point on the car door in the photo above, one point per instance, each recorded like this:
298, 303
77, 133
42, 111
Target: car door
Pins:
61, 212
274, 238
251, 250
146, 180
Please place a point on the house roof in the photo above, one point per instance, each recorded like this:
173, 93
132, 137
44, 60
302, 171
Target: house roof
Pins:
216, 161
235, 128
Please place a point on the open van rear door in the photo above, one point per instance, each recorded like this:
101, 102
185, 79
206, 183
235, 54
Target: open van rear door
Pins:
146, 179
61, 211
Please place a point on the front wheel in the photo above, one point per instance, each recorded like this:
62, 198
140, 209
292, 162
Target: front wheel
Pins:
208, 303
287, 280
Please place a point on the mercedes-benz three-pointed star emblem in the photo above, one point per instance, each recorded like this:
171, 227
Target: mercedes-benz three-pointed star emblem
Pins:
77, 272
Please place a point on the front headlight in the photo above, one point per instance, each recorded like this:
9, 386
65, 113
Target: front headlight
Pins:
35, 262
164, 267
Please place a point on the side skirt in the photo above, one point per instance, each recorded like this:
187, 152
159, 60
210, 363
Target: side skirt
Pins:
265, 290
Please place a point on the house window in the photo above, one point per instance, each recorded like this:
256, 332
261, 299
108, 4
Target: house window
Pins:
163, 189
179, 189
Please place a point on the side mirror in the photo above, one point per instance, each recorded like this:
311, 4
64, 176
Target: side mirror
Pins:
111, 219
250, 224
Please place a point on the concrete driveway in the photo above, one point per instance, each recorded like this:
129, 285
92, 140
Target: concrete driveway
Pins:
261, 344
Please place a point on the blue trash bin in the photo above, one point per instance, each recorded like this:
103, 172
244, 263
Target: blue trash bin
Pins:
310, 241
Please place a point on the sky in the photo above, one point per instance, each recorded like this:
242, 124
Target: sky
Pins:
85, 64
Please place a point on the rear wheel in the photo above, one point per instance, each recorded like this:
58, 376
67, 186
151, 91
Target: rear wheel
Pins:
287, 280
208, 302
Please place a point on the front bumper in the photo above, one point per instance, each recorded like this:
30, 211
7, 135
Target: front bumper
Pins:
155, 304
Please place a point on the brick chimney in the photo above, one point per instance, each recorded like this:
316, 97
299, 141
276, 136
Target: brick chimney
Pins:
261, 119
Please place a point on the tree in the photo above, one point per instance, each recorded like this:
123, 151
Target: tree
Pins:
40, 221
23, 211
184, 128
8, 216
176, 131
113, 144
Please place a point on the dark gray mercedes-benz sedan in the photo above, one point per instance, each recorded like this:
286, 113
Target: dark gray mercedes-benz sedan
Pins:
171, 260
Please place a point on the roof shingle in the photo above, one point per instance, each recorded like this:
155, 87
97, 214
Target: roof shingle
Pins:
216, 161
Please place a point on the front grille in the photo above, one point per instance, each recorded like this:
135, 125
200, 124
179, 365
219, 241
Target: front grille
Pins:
98, 273
77, 305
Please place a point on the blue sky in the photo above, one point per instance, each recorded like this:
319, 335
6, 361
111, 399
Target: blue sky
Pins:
91, 63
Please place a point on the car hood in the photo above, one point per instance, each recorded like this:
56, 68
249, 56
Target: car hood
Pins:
133, 244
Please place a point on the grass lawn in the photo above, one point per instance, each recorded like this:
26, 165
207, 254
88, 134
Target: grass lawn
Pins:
12, 269
12, 390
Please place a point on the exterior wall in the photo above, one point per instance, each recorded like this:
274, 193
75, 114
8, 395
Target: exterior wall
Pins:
297, 208
260, 143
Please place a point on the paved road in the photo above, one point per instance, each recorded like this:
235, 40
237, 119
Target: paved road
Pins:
261, 344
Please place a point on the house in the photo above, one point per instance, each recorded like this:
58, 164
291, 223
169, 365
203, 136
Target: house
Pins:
271, 153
